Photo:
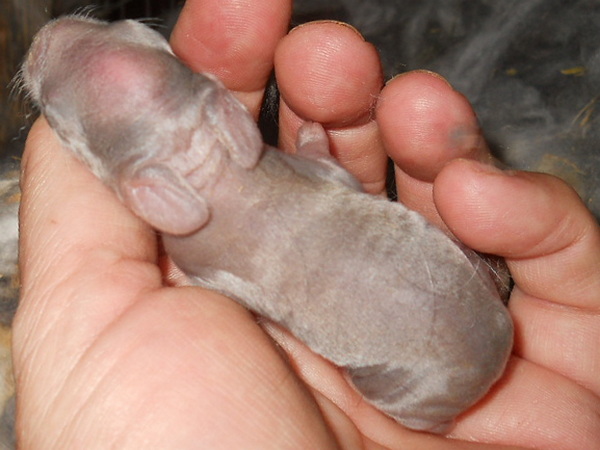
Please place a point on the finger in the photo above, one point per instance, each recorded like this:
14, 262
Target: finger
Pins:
424, 124
534, 220
329, 74
233, 39
71, 223
552, 245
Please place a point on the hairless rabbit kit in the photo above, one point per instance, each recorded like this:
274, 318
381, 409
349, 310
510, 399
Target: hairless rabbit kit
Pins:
414, 319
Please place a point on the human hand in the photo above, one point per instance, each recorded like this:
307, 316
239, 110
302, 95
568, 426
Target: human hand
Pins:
106, 354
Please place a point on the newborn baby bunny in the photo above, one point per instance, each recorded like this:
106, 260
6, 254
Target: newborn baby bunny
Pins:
417, 324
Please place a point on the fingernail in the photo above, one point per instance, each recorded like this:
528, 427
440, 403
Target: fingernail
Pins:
326, 22
420, 71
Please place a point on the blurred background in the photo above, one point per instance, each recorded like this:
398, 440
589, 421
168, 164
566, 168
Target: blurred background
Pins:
531, 68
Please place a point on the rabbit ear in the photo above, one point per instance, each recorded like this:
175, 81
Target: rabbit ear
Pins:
164, 200
235, 127
242, 137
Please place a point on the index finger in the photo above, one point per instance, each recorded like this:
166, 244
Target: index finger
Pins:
234, 40
537, 222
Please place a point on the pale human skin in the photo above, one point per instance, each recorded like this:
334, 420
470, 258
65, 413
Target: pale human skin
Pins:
104, 358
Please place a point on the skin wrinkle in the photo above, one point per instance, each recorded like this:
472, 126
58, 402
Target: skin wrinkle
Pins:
57, 391
55, 284
523, 302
